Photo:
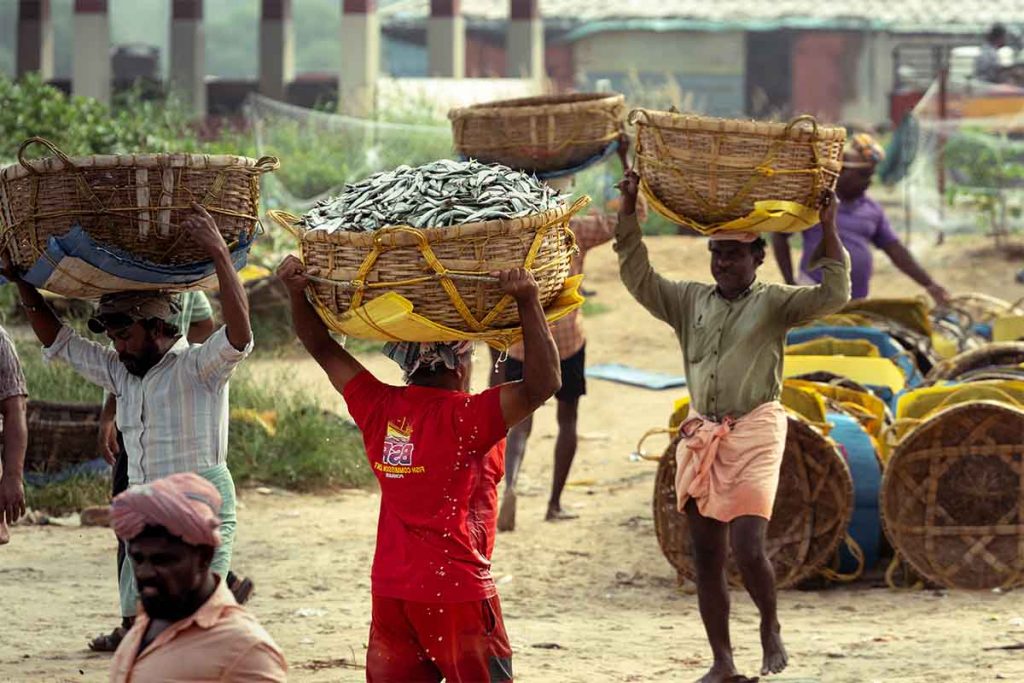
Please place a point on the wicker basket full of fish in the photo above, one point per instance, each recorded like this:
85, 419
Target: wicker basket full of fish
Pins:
705, 172
539, 134
131, 202
434, 234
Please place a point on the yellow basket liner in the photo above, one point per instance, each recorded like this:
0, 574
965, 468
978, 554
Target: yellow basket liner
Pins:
868, 371
1008, 328
832, 346
390, 317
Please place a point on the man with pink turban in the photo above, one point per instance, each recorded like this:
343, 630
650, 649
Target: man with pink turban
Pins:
190, 627
732, 334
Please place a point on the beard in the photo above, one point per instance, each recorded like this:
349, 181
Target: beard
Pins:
141, 364
169, 608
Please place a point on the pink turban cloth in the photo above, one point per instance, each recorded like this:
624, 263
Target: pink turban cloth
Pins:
185, 504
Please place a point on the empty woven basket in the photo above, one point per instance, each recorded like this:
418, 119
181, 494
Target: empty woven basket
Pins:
812, 510
133, 202
951, 497
539, 134
704, 172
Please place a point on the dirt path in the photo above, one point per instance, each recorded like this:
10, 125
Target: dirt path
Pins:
592, 600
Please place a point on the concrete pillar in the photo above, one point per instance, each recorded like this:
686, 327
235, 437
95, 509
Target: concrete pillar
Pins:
188, 55
446, 39
277, 49
360, 57
35, 39
524, 47
90, 66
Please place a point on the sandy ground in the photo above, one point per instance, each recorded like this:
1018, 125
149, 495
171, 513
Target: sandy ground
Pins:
591, 600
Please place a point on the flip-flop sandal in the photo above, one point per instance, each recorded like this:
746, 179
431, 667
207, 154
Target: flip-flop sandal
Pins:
242, 590
107, 642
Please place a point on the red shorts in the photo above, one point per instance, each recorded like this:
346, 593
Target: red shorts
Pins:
461, 642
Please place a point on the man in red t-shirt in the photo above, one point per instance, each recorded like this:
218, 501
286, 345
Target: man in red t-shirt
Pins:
438, 453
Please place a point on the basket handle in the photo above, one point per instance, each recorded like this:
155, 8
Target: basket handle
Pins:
803, 118
635, 115
288, 221
48, 145
267, 164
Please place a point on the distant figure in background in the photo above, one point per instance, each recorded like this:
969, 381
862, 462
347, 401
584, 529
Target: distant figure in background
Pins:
190, 627
862, 226
987, 66
13, 398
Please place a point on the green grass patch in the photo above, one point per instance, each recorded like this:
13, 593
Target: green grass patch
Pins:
312, 449
592, 308
70, 495
54, 382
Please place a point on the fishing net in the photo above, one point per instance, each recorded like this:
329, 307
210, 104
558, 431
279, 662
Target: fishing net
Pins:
961, 163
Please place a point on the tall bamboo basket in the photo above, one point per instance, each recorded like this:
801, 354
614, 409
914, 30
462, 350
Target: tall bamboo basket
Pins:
812, 510
952, 499
704, 172
132, 202
539, 134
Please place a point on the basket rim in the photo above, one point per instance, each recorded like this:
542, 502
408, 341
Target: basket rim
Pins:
53, 165
537, 105
711, 124
404, 236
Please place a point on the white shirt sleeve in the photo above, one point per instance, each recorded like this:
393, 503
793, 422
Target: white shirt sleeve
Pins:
214, 360
94, 362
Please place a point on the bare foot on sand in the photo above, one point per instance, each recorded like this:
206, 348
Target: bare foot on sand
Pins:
507, 513
559, 515
775, 657
725, 673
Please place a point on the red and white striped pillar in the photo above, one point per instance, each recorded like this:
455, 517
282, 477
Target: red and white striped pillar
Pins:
360, 57
188, 54
446, 39
35, 39
524, 46
90, 67
277, 48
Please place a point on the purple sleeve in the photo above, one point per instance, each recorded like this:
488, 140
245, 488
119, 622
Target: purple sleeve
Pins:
884, 234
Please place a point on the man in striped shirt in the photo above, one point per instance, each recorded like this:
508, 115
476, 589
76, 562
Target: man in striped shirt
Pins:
172, 398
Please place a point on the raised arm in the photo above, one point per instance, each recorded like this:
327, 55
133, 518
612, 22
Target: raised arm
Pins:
783, 256
803, 304
660, 296
234, 303
542, 374
44, 321
338, 363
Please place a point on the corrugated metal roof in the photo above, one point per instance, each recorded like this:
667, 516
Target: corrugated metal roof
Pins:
893, 14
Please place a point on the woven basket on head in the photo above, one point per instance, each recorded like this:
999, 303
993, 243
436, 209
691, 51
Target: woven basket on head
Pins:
539, 134
951, 497
991, 356
703, 172
60, 434
134, 202
812, 510
443, 272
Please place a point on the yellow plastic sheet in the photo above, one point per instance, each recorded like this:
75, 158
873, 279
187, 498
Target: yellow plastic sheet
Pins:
866, 371
1008, 328
866, 407
911, 312
831, 346
767, 216
390, 317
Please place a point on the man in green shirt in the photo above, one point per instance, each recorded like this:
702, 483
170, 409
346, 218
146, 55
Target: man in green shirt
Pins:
732, 335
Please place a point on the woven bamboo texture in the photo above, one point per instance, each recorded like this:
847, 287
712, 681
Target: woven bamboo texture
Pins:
707, 171
812, 510
952, 499
989, 357
539, 134
60, 434
133, 202
443, 272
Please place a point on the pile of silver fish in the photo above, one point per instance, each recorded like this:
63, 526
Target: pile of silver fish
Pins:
439, 194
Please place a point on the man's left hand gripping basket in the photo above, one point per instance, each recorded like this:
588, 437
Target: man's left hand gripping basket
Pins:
132, 202
444, 273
